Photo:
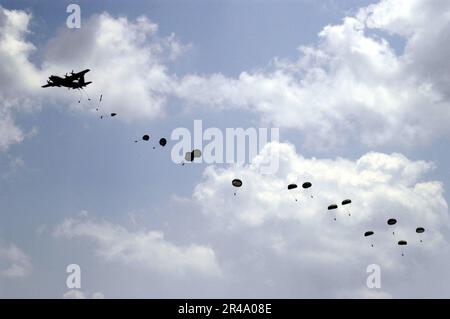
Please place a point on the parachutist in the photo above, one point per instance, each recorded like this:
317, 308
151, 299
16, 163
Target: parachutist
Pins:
236, 183
369, 233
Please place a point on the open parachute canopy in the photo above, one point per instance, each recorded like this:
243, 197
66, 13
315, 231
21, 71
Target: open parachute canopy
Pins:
146, 137
368, 233
306, 185
392, 221
420, 230
402, 242
190, 156
346, 201
236, 182
292, 186
332, 206
162, 142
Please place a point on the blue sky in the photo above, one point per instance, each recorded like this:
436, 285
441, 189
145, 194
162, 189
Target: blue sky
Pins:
361, 100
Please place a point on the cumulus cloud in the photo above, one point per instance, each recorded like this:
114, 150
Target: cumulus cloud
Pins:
351, 86
149, 250
303, 235
376, 179
128, 63
18, 76
14, 263
127, 60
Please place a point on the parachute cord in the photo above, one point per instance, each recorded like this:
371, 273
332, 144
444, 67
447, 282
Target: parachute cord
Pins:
99, 101
85, 92
80, 97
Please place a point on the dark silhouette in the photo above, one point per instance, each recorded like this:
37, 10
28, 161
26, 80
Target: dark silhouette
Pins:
72, 81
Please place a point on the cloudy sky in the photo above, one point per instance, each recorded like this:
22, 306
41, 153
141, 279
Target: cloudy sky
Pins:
358, 89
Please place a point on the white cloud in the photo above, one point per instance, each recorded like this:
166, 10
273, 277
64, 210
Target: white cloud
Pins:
18, 76
126, 57
303, 236
352, 86
148, 250
14, 262
127, 60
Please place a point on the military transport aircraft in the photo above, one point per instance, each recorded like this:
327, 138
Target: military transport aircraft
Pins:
72, 81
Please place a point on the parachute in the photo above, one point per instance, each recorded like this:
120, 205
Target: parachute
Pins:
190, 156
145, 138
113, 114
197, 153
236, 182
162, 142
306, 185
392, 221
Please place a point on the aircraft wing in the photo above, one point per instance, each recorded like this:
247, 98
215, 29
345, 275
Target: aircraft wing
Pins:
49, 85
79, 75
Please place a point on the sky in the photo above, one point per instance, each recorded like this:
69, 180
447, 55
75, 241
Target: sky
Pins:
359, 91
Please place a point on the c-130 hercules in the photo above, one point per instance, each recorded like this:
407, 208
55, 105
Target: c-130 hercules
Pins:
72, 81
